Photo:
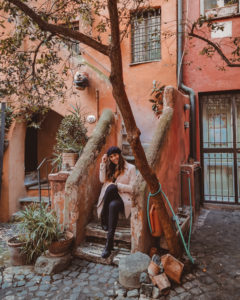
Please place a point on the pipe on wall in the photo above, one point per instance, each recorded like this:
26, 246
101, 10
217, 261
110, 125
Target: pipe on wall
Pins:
185, 88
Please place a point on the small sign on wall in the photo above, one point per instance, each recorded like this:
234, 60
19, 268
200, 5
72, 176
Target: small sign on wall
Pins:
225, 31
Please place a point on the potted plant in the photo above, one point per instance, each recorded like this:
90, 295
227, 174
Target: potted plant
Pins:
71, 138
38, 229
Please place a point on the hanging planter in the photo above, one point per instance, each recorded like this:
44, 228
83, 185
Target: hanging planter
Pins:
81, 80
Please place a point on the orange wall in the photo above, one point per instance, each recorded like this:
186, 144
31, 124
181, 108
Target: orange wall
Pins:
138, 78
201, 73
174, 152
13, 172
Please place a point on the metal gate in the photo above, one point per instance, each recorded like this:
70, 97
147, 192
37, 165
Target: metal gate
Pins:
220, 147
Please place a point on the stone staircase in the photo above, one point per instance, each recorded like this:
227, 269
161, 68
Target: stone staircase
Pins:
126, 148
95, 240
33, 192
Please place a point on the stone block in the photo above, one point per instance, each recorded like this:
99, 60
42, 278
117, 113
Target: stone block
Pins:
131, 267
162, 282
50, 265
146, 289
172, 267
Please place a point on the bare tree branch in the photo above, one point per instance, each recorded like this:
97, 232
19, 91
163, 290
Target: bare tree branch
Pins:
214, 45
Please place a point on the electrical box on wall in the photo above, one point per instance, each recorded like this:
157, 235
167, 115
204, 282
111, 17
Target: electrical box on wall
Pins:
192, 171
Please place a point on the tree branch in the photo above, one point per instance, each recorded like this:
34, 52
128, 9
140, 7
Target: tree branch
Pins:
57, 29
219, 51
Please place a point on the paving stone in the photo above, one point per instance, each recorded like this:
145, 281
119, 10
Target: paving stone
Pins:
33, 288
46, 279
185, 296
6, 285
74, 296
44, 287
41, 294
57, 282
121, 292
73, 274
188, 285
66, 289
179, 290
93, 277
21, 283
57, 276
67, 282
103, 280
111, 293
30, 283
195, 291
86, 290
83, 276
133, 293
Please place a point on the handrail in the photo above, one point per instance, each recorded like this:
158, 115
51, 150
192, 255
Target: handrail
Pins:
45, 160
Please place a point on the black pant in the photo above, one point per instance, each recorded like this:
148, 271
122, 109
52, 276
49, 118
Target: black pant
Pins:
112, 205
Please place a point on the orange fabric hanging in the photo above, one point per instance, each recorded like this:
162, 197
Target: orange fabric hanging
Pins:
155, 223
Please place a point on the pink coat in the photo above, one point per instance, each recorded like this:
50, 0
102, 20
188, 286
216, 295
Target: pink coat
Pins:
125, 183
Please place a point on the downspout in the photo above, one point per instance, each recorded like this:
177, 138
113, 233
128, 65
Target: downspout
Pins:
185, 88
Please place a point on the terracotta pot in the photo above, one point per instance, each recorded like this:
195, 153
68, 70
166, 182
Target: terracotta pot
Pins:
61, 247
153, 269
69, 160
16, 257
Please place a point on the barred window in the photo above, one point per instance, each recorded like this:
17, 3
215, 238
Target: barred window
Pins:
145, 35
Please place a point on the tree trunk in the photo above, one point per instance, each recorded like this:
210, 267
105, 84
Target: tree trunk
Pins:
133, 132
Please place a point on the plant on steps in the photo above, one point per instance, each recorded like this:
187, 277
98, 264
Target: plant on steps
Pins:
39, 227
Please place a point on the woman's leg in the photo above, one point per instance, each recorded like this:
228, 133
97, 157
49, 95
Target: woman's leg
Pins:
110, 194
115, 206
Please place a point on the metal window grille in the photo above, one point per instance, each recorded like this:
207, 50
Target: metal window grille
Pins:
145, 37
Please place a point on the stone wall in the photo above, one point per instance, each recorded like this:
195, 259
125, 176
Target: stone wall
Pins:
168, 150
83, 185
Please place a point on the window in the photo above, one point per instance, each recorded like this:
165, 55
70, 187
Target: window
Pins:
145, 36
219, 8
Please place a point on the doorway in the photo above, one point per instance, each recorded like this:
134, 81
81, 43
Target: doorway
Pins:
220, 147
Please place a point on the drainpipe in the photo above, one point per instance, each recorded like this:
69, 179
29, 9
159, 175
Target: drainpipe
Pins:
185, 88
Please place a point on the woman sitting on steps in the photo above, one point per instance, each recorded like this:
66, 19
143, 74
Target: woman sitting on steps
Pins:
118, 178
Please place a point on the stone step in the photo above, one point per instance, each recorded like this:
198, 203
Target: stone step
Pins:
122, 221
92, 252
94, 230
28, 200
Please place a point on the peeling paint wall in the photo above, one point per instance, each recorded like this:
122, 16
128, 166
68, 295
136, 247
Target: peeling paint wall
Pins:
166, 154
83, 186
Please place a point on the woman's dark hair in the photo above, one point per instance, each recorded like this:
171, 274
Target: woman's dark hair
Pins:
112, 170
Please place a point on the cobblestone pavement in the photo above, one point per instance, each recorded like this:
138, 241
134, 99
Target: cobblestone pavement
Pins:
215, 245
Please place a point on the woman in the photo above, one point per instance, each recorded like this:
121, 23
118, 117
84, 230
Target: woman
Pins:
118, 178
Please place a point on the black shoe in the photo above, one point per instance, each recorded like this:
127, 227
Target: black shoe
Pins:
108, 248
106, 253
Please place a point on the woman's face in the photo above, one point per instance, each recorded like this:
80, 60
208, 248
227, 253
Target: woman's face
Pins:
114, 158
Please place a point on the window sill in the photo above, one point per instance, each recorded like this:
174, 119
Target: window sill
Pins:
144, 62
222, 12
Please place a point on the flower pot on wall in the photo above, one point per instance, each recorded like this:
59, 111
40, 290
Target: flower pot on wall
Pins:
16, 257
69, 160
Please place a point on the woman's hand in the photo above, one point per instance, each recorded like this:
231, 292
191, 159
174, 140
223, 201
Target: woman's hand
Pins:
104, 158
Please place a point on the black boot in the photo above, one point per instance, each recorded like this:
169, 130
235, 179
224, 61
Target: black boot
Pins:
104, 224
108, 248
